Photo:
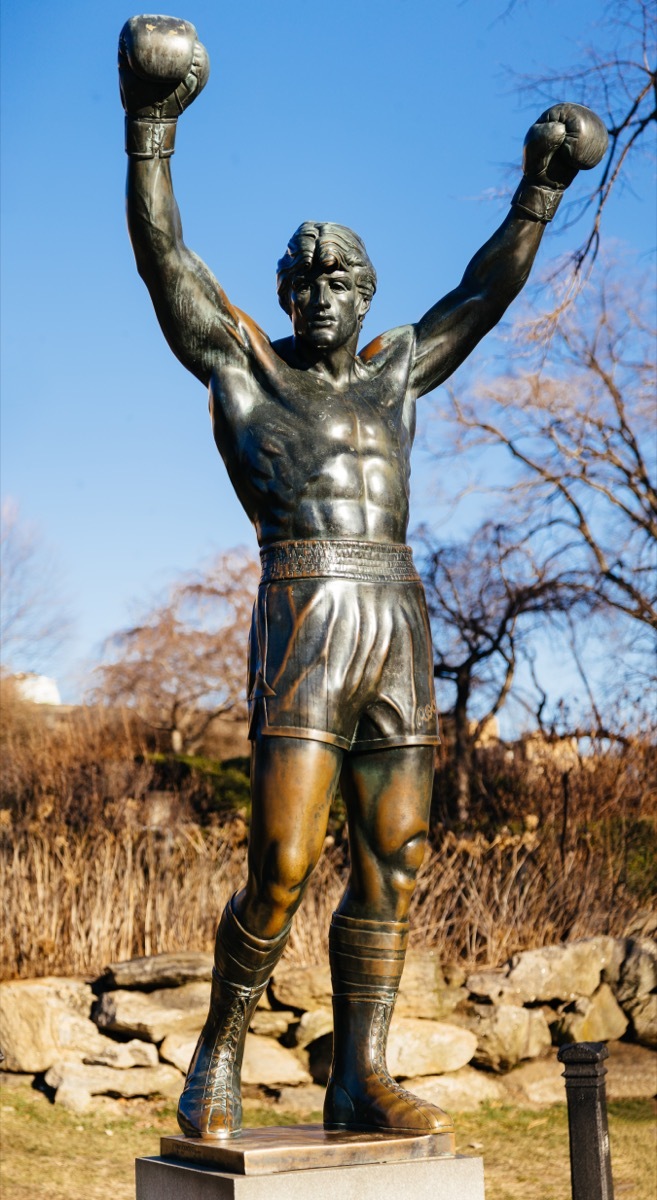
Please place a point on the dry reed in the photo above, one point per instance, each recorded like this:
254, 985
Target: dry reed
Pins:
74, 903
554, 854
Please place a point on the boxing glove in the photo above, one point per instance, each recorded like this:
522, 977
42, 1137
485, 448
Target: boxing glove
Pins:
565, 139
162, 69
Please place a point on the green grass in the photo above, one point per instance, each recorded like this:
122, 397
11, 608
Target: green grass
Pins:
56, 1155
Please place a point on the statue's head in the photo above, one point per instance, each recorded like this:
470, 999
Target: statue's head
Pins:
325, 249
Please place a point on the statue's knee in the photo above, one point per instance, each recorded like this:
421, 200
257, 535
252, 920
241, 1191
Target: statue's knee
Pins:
285, 878
406, 863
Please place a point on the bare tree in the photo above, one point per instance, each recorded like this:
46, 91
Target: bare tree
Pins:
34, 622
184, 664
485, 598
581, 437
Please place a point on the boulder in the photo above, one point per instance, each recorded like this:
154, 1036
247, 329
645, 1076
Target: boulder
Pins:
631, 1075
43, 1020
269, 1064
596, 1018
636, 990
631, 1072
157, 971
423, 991
553, 973
539, 1082
459, 1091
493, 987
271, 1024
301, 988
301, 1101
177, 1048
265, 1061
76, 1083
152, 1016
313, 1025
415, 1047
506, 1034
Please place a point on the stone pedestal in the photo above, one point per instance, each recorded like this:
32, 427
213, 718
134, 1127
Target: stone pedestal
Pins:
306, 1162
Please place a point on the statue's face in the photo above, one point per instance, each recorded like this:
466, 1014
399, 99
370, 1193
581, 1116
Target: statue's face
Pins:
327, 307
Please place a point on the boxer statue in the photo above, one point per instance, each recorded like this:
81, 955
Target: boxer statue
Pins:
316, 437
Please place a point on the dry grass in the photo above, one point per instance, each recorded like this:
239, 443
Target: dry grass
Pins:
59, 1156
76, 902
563, 855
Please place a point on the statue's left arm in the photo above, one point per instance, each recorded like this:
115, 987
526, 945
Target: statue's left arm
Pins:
564, 140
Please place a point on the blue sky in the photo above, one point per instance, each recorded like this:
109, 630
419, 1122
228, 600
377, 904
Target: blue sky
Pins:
396, 117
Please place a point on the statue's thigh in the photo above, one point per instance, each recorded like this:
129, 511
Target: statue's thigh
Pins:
388, 798
293, 782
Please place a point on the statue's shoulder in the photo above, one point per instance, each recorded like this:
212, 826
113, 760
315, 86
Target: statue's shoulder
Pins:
391, 350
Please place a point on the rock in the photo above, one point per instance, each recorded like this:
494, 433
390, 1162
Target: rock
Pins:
423, 992
596, 1018
269, 1064
417, 1047
177, 1048
553, 973
506, 1034
494, 987
631, 1072
301, 1101
43, 1020
636, 990
76, 1083
559, 972
271, 1024
265, 1061
313, 1025
157, 971
631, 1075
301, 988
154, 1015
613, 952
539, 1082
459, 1091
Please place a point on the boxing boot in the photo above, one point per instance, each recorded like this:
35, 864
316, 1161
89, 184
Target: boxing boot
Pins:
367, 959
211, 1105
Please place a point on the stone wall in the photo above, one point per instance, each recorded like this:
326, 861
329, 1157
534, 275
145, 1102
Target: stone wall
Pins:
457, 1040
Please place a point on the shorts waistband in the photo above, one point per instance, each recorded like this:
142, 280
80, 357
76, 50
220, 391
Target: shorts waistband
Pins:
372, 562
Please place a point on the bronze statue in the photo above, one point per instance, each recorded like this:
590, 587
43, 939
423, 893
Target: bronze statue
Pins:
316, 438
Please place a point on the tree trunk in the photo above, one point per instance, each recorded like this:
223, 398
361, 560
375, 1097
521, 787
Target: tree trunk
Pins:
462, 746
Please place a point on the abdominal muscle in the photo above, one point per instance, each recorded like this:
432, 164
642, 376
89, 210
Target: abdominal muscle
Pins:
368, 502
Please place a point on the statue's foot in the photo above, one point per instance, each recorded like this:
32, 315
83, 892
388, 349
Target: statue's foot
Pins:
210, 1105
379, 1103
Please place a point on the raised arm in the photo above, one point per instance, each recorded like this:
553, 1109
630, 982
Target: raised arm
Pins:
162, 69
565, 139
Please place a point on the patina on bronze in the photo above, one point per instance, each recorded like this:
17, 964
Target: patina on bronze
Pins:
302, 1147
316, 437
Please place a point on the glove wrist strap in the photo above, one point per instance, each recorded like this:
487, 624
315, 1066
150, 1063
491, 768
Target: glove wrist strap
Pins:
538, 202
148, 137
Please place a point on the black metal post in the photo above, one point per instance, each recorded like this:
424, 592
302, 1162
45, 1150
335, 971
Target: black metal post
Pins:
590, 1159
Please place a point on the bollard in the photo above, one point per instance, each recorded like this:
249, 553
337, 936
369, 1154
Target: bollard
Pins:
590, 1159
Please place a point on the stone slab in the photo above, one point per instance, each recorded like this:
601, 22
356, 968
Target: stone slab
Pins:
303, 1147
450, 1178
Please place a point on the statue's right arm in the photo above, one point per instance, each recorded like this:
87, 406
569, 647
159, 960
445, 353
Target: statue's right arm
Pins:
162, 69
195, 315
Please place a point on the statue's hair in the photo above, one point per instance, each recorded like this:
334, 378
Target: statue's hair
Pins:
322, 243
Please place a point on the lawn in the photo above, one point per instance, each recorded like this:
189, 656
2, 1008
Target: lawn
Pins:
56, 1155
